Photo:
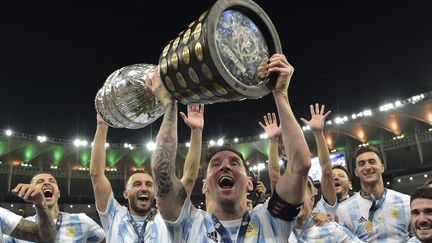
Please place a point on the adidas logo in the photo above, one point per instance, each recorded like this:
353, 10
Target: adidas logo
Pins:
361, 220
212, 236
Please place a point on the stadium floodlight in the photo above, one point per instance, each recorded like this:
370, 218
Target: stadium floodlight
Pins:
263, 135
220, 142
236, 140
212, 142
8, 132
188, 144
41, 139
367, 113
150, 146
77, 142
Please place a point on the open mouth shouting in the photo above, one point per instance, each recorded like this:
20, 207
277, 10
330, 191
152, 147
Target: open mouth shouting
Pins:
226, 182
143, 198
48, 192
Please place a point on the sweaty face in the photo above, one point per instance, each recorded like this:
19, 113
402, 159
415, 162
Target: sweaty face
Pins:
140, 193
368, 167
421, 218
227, 181
48, 184
341, 182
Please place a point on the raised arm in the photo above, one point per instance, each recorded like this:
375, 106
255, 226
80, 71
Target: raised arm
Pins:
316, 124
101, 185
170, 193
291, 185
43, 230
273, 132
195, 121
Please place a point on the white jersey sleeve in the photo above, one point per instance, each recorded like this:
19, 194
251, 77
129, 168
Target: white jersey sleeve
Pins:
391, 222
196, 225
8, 221
119, 229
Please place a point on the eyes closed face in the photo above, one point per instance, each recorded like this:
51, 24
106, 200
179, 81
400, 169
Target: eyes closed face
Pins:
421, 218
48, 184
226, 177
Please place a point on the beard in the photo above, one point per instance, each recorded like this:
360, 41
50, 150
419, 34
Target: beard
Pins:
134, 205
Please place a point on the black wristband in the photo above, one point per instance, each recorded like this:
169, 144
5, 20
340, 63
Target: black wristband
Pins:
280, 209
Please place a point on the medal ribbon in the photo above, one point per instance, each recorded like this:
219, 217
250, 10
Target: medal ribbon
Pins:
376, 204
225, 235
305, 226
140, 233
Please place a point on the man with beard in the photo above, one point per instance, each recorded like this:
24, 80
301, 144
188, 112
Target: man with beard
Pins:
421, 215
68, 227
342, 182
139, 223
15, 226
227, 181
375, 214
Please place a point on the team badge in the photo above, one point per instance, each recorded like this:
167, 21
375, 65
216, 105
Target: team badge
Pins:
251, 231
71, 232
395, 213
368, 226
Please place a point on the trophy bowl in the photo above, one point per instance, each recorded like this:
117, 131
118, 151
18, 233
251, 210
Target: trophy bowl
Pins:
216, 58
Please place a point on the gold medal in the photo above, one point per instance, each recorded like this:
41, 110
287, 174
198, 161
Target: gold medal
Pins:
368, 226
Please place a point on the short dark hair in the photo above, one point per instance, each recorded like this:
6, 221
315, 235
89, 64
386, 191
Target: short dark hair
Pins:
368, 148
340, 167
40, 172
421, 192
428, 183
137, 172
216, 149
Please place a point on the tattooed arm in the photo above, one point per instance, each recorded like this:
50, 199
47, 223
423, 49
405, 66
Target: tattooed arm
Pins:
170, 193
194, 120
43, 230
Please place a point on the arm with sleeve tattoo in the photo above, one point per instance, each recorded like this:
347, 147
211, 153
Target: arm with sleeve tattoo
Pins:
170, 193
43, 229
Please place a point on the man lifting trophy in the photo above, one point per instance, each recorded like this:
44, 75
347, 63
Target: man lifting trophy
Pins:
215, 59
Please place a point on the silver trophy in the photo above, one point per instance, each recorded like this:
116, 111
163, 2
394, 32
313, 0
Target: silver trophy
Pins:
124, 100
215, 59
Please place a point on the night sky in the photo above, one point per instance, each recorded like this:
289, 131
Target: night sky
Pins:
55, 55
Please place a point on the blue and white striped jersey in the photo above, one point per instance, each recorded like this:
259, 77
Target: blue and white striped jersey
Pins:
391, 222
119, 229
73, 228
323, 207
414, 240
8, 222
196, 225
330, 232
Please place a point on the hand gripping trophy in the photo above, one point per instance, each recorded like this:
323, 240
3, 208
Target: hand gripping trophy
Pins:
214, 60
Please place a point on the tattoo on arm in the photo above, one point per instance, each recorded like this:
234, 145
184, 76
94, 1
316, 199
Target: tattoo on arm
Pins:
41, 231
165, 153
26, 230
163, 172
46, 224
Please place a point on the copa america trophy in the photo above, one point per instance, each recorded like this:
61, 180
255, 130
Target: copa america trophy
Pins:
215, 59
